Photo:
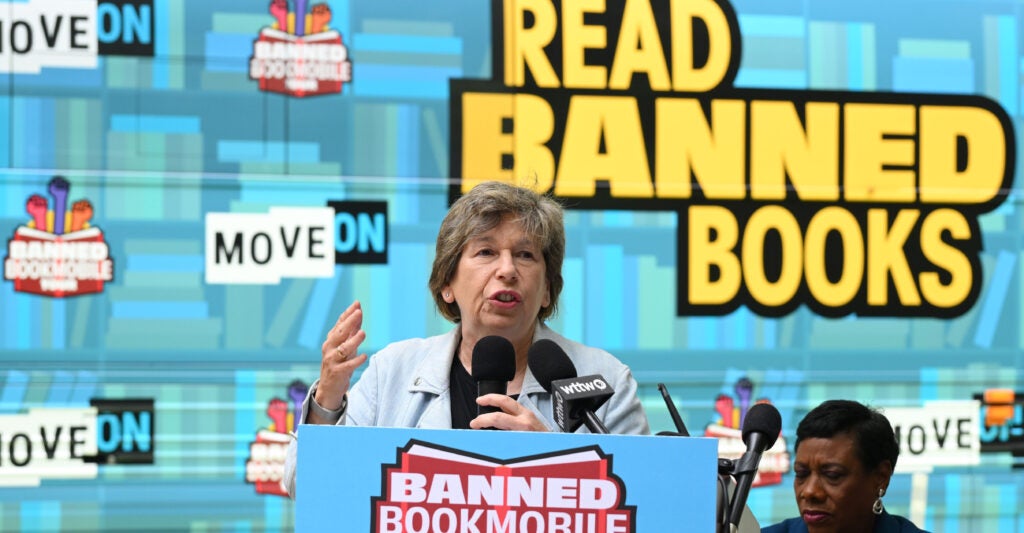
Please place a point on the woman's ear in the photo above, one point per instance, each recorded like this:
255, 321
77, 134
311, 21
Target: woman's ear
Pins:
883, 473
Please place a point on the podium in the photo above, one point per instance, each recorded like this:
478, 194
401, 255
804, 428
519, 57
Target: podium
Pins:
369, 479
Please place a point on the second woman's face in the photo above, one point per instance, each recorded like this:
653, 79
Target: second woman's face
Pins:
833, 490
500, 283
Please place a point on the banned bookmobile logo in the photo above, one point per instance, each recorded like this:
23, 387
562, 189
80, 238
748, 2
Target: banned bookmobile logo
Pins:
727, 428
264, 468
299, 54
436, 488
846, 202
58, 252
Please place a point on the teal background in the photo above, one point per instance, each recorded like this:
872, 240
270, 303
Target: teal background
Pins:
155, 143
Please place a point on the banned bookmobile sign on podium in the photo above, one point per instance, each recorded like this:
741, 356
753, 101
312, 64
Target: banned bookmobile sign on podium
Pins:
415, 480
568, 490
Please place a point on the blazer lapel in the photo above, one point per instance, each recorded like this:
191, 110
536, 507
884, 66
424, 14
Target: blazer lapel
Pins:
430, 406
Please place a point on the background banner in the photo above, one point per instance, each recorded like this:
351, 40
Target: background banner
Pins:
191, 192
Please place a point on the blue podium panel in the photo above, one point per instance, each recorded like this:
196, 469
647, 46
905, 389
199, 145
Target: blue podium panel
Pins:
453, 481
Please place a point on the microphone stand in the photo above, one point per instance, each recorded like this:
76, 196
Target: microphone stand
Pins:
594, 423
725, 466
722, 505
741, 471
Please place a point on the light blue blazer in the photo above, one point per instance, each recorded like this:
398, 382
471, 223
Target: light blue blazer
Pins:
406, 385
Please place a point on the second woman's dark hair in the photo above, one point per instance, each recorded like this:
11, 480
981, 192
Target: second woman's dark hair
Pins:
871, 431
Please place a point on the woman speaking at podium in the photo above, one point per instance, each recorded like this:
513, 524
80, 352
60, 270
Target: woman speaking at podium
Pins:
497, 271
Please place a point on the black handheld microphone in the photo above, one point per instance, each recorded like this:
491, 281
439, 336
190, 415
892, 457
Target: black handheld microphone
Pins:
494, 365
761, 427
575, 398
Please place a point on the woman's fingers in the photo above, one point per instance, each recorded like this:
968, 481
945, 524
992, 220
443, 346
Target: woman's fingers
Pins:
513, 416
349, 348
335, 379
349, 321
348, 311
340, 357
344, 332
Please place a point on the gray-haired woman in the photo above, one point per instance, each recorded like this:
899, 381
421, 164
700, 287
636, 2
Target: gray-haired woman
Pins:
497, 272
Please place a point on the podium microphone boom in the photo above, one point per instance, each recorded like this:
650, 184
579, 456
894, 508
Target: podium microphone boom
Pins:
761, 429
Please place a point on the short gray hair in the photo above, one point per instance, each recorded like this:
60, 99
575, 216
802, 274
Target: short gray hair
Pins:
481, 210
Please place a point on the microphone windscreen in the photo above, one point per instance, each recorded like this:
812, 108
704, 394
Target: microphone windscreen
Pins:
765, 419
494, 359
548, 362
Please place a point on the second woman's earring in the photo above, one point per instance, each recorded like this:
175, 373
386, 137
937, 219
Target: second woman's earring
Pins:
877, 508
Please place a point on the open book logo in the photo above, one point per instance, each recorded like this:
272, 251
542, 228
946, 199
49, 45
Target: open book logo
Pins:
728, 430
264, 469
299, 55
433, 487
58, 252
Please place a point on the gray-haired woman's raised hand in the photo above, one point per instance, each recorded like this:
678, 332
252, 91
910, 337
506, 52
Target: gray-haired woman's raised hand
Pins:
339, 360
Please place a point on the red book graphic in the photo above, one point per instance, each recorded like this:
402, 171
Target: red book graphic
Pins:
572, 489
300, 66
47, 264
265, 467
